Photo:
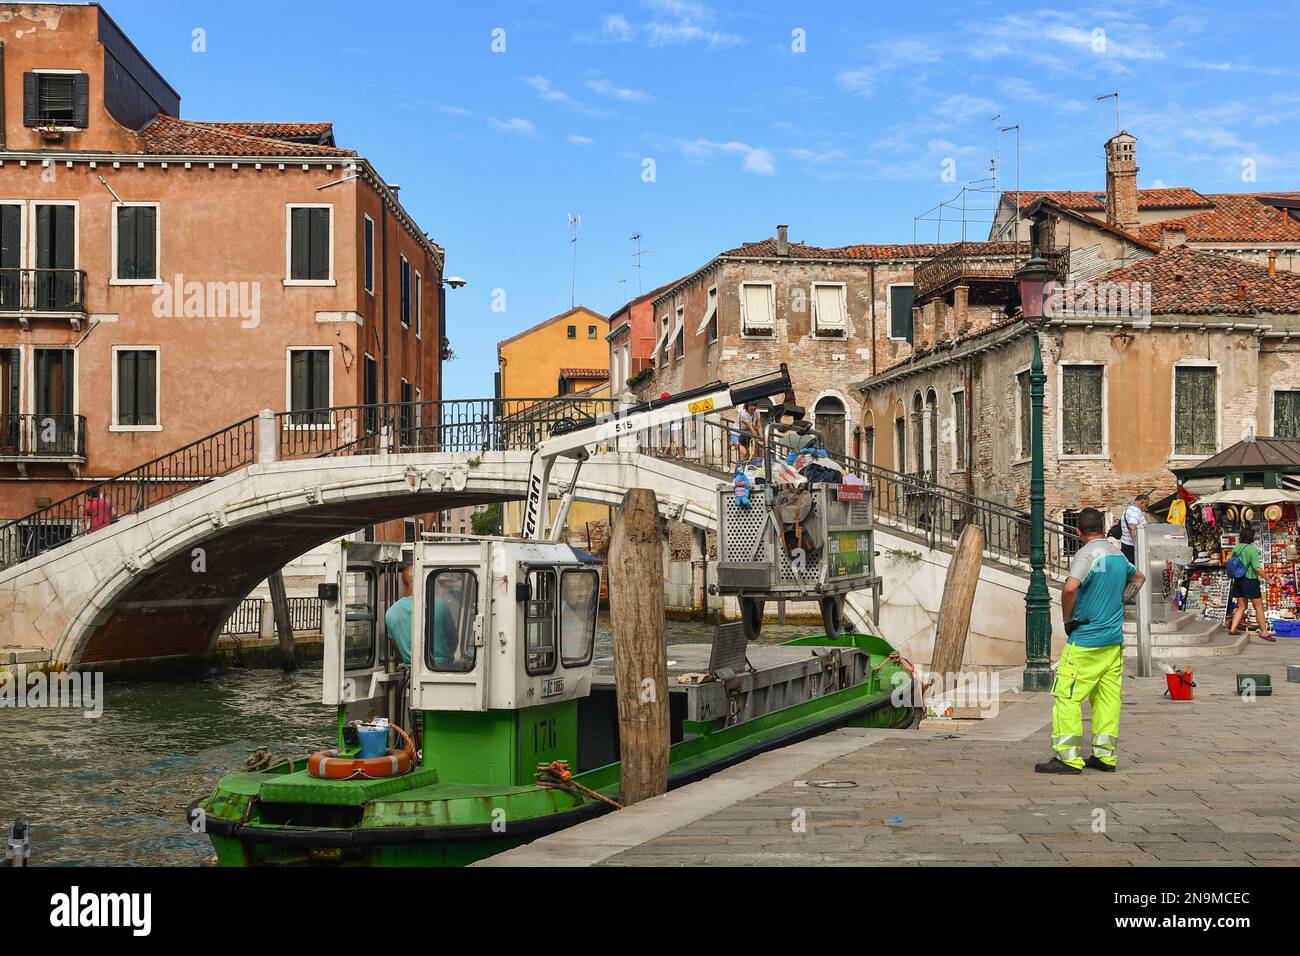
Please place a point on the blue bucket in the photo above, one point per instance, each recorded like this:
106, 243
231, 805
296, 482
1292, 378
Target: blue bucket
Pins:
374, 741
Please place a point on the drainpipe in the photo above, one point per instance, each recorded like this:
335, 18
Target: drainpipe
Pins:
873, 318
383, 298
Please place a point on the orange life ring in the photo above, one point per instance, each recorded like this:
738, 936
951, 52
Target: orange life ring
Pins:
328, 765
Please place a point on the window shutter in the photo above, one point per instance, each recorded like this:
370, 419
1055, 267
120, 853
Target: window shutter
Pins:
320, 379
1286, 414
11, 238
900, 312
126, 236
758, 307
146, 232
81, 100
31, 109
65, 237
298, 240
829, 302
299, 397
126, 388
320, 243
147, 390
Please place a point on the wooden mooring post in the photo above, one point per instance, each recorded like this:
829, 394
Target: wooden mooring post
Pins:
958, 602
636, 611
283, 624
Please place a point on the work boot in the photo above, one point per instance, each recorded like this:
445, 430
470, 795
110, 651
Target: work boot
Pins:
1096, 763
1055, 765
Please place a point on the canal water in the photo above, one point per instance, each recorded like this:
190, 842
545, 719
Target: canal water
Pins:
113, 790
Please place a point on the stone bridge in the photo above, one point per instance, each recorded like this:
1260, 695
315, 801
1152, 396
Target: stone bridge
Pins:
162, 582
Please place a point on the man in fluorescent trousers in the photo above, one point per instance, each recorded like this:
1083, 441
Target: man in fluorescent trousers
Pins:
1092, 662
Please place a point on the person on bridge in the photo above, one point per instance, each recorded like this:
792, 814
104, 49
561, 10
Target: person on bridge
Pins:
1092, 661
99, 510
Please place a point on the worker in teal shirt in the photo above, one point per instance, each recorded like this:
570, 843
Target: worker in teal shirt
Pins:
398, 623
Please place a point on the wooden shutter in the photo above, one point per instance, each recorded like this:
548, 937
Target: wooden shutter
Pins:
136, 242
1026, 411
299, 373
320, 379
320, 244
298, 244
126, 373
900, 312
1081, 409
81, 100
11, 236
1195, 411
31, 106
147, 387
1286, 414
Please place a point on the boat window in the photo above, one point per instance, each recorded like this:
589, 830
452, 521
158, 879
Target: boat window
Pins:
359, 621
580, 596
539, 623
451, 605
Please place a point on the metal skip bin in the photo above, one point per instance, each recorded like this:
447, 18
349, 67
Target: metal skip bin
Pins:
759, 561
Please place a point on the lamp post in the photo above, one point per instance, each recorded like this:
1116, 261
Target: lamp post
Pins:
1033, 278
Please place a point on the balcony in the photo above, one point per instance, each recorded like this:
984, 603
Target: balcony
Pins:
972, 263
28, 292
51, 439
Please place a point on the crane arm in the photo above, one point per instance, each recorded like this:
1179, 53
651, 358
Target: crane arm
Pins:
574, 441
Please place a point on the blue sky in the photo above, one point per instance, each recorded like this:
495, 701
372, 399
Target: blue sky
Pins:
847, 139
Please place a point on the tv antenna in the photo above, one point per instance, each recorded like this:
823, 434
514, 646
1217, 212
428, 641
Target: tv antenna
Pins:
637, 239
1107, 96
574, 220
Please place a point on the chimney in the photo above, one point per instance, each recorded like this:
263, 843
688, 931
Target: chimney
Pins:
1121, 182
1272, 262
1241, 291
394, 188
782, 240
1171, 237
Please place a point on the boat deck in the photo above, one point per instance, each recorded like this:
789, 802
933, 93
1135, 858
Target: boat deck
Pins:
694, 659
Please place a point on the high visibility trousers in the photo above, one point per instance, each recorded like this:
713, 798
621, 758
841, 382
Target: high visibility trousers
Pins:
1095, 674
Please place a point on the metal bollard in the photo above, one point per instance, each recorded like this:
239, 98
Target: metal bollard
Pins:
18, 846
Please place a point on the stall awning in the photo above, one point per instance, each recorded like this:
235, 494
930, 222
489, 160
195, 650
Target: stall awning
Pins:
1250, 496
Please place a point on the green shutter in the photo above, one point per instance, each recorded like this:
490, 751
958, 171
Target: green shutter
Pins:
299, 395
320, 244
126, 239
126, 373
1286, 414
147, 387
320, 379
298, 244
11, 236
900, 312
1195, 411
1081, 409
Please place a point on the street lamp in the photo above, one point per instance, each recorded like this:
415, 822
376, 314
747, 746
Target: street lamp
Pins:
1033, 278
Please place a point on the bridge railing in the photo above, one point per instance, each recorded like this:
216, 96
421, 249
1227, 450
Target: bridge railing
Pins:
457, 425
912, 503
220, 453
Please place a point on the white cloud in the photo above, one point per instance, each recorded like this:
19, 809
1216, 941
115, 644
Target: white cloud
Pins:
671, 23
756, 159
456, 110
513, 125
598, 84
579, 140
548, 91
961, 107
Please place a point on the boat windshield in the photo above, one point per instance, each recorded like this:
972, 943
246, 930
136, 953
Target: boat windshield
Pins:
451, 596
359, 638
579, 598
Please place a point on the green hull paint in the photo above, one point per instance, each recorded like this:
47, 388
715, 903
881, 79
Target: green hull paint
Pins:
476, 795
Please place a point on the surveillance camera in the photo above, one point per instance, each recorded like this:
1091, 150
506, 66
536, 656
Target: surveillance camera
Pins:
455, 282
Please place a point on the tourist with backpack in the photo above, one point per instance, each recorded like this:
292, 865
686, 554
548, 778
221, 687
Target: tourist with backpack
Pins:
1244, 570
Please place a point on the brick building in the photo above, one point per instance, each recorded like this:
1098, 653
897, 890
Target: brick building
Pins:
162, 278
631, 339
832, 315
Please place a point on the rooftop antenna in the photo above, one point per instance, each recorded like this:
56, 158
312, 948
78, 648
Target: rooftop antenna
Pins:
574, 219
637, 239
1015, 223
997, 152
1106, 96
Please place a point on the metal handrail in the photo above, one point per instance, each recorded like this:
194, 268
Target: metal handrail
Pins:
910, 502
42, 436
42, 290
131, 492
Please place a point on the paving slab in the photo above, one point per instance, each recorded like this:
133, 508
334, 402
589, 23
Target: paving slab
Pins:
1214, 781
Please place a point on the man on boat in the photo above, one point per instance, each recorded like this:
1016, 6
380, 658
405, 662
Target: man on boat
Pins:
1092, 662
398, 619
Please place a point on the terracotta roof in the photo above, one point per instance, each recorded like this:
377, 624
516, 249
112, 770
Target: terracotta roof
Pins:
1244, 217
766, 249
274, 130
1191, 282
579, 373
1179, 197
1091, 222
644, 297
167, 135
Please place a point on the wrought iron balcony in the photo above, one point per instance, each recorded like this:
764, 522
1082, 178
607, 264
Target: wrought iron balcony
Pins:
967, 262
27, 438
42, 290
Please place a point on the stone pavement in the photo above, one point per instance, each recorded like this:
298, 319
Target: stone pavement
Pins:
1215, 781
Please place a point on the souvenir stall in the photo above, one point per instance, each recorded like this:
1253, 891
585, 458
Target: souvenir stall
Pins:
1214, 525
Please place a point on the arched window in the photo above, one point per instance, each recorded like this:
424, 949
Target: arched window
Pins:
868, 450
900, 437
918, 430
828, 418
932, 433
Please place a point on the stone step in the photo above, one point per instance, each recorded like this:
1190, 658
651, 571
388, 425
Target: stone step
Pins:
1194, 633
1221, 644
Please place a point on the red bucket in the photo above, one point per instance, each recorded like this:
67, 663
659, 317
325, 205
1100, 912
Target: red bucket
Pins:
1180, 685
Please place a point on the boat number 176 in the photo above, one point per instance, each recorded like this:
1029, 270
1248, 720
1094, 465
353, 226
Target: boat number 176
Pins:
544, 735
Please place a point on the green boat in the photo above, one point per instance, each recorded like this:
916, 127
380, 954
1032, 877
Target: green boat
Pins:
514, 721
520, 690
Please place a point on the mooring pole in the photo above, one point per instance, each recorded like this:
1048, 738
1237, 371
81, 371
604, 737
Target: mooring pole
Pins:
636, 612
283, 625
